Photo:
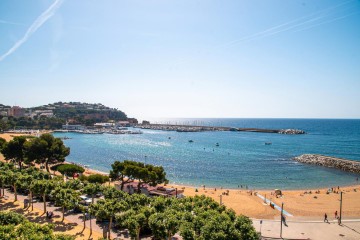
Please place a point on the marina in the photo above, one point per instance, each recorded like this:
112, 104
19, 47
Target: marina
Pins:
100, 131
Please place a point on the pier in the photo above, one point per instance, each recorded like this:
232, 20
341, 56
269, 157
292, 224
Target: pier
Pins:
191, 128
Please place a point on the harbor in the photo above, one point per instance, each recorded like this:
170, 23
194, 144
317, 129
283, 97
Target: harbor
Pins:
100, 131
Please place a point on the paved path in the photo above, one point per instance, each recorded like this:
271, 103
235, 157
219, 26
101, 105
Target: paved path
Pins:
316, 230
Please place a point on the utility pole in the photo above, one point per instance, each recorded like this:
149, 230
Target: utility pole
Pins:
281, 219
340, 207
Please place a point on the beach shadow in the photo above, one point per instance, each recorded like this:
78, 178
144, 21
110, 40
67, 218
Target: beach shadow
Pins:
8, 205
62, 227
351, 228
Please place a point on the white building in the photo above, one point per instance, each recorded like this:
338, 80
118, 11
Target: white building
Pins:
73, 127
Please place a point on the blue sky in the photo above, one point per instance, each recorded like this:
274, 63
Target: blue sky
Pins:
195, 58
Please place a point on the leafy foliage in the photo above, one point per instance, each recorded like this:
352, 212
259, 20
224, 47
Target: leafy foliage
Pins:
46, 149
69, 169
97, 178
16, 226
198, 217
2, 142
128, 171
66, 198
14, 150
7, 218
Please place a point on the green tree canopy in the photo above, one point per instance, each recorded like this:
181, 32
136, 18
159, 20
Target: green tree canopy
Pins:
120, 171
106, 209
97, 178
65, 198
129, 171
43, 188
69, 169
46, 149
10, 217
16, 226
2, 142
14, 150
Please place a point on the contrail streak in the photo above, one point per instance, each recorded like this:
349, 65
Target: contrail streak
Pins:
46, 15
329, 21
287, 26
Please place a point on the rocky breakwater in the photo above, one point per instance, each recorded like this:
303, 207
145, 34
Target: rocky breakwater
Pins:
291, 131
332, 162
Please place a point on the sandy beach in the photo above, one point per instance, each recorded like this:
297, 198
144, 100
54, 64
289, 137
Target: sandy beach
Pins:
298, 203
301, 206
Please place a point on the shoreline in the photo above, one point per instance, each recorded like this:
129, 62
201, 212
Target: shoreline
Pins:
89, 170
350, 185
298, 202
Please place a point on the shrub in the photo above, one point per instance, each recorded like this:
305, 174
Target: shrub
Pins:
98, 178
7, 218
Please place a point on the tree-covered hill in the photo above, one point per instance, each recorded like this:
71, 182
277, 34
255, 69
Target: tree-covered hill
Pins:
54, 115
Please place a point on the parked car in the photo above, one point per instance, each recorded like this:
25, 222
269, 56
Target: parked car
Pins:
85, 200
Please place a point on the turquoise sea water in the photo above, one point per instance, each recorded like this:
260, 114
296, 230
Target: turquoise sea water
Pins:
242, 158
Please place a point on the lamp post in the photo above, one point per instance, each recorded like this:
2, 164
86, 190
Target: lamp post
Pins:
340, 207
281, 219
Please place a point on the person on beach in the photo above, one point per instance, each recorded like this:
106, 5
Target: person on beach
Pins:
325, 218
336, 214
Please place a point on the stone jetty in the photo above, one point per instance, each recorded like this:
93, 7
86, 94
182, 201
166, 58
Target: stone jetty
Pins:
332, 162
191, 128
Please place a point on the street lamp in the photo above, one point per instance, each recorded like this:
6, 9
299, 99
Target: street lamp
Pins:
340, 207
281, 219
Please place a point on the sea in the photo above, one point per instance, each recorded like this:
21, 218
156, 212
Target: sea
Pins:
241, 159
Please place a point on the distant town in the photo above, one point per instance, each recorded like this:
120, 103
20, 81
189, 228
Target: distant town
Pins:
94, 119
63, 115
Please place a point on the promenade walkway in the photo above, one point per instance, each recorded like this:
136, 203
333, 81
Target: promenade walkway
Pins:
314, 230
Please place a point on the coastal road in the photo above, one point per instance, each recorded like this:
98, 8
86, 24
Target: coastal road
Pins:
315, 230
